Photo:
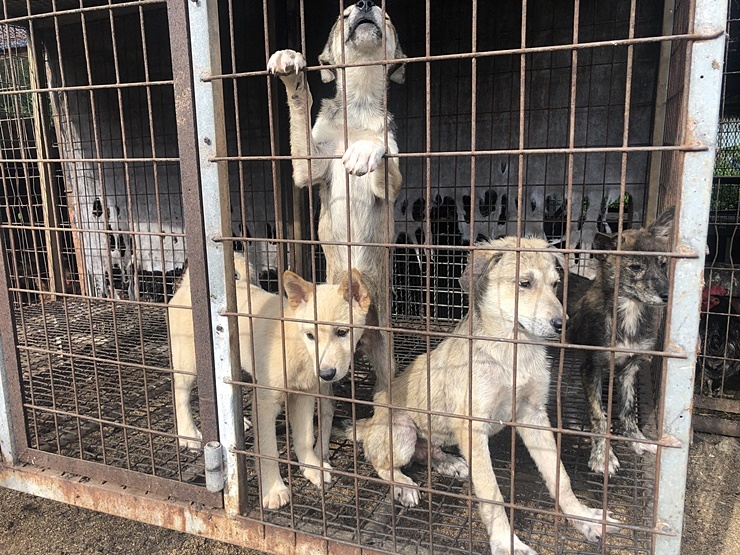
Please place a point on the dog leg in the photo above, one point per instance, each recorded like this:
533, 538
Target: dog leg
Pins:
274, 492
184, 384
591, 376
377, 450
289, 65
326, 414
486, 487
541, 446
628, 409
300, 410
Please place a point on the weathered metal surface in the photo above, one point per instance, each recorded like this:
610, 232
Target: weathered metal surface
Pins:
692, 195
215, 203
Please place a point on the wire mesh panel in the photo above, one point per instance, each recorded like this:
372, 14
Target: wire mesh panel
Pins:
92, 220
500, 119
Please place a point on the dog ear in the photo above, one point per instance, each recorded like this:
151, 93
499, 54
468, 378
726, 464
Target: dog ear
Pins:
397, 72
353, 287
299, 291
603, 242
478, 263
662, 227
327, 58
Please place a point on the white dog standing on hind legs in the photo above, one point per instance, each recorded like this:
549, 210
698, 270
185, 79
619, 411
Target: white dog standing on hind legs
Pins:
362, 179
447, 369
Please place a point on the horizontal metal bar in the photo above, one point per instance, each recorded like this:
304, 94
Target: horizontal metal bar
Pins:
105, 8
80, 297
451, 334
152, 159
668, 442
474, 153
465, 248
25, 477
146, 84
90, 230
491, 53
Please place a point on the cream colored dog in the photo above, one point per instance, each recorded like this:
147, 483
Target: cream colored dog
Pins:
301, 355
359, 189
446, 371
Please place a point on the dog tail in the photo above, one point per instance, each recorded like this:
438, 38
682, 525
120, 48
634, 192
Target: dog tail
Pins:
352, 433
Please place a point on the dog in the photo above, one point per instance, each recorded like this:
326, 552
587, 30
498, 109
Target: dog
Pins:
642, 294
183, 348
502, 302
374, 183
300, 356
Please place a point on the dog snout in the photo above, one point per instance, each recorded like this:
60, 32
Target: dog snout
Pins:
327, 374
364, 5
664, 295
557, 323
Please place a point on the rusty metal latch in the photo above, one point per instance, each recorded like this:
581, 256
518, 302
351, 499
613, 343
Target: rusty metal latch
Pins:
214, 460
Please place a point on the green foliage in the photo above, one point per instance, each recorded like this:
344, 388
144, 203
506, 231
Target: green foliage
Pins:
15, 76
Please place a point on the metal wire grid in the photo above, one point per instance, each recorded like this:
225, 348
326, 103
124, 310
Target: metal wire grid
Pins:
318, 514
101, 151
719, 361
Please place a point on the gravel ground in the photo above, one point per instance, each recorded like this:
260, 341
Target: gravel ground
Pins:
33, 526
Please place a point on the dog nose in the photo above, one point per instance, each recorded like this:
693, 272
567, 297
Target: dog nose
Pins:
327, 374
557, 323
364, 5
664, 296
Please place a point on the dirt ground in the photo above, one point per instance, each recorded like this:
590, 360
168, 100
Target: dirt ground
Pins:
34, 526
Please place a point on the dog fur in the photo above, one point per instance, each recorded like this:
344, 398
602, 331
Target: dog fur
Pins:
285, 357
538, 314
642, 294
362, 179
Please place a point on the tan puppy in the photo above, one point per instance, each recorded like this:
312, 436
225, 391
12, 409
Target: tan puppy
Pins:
538, 315
284, 355
357, 191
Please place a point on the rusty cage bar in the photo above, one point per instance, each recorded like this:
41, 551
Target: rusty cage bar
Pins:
145, 149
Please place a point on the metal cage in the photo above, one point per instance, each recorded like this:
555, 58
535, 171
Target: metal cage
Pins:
140, 139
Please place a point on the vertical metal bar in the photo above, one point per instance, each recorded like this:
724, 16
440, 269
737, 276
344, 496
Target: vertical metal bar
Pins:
700, 127
211, 141
7, 448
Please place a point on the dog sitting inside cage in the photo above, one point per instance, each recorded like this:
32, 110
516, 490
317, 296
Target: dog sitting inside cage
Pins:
641, 295
510, 301
292, 360
359, 186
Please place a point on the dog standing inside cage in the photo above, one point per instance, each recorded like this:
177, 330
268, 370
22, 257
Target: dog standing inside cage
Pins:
298, 355
358, 191
641, 295
505, 303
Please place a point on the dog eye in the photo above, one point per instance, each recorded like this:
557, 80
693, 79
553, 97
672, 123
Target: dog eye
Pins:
525, 283
555, 284
663, 262
341, 332
310, 336
635, 267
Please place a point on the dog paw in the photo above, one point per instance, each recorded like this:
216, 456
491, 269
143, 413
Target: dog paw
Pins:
407, 496
593, 530
597, 461
286, 62
501, 545
314, 475
277, 497
449, 465
642, 448
190, 444
363, 157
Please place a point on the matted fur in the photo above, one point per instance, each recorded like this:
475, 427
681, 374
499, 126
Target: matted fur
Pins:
641, 296
359, 190
446, 372
303, 356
